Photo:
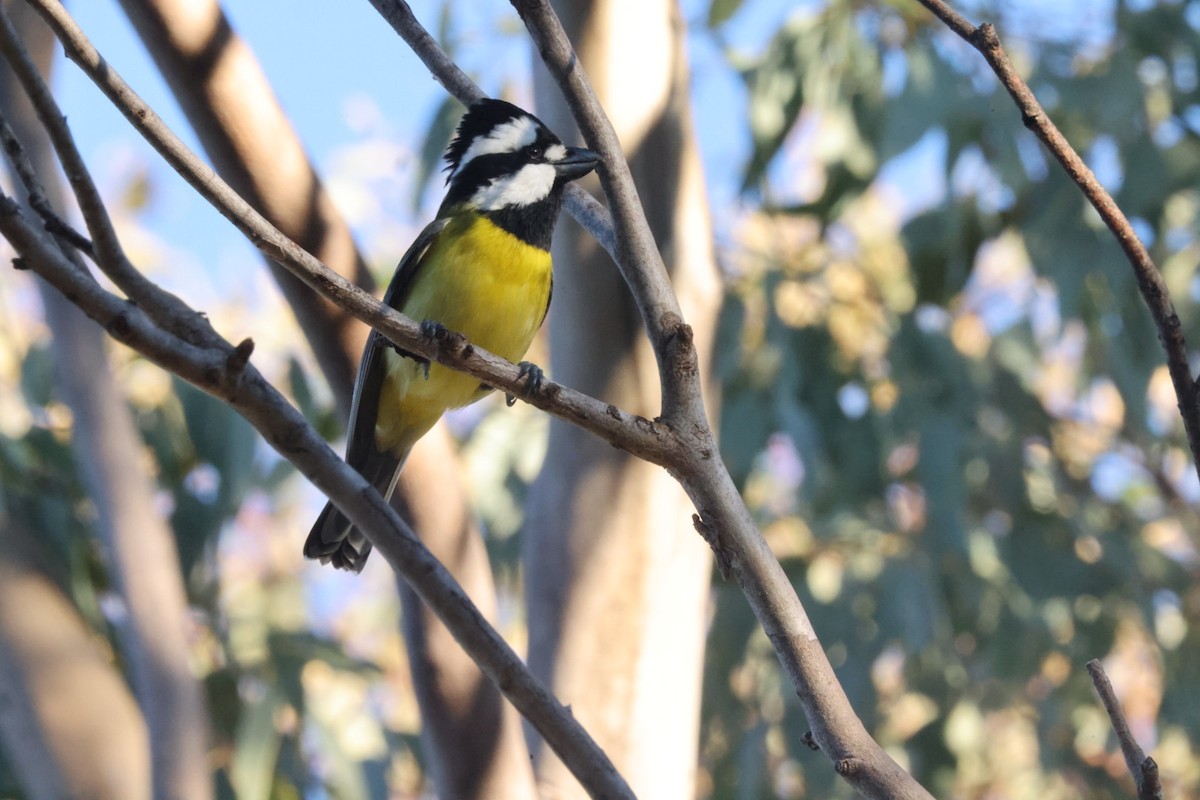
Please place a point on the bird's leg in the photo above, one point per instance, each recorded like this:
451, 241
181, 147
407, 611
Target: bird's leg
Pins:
533, 376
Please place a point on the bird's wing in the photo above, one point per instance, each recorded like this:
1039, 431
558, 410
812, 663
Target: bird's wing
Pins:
361, 451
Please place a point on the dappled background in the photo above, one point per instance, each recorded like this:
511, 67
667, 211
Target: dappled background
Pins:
941, 396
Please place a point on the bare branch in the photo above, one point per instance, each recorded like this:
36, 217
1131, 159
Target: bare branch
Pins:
637, 254
1149, 279
231, 107
1143, 768
153, 638
220, 372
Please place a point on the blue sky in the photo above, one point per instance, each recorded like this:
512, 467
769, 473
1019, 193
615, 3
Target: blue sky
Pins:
326, 62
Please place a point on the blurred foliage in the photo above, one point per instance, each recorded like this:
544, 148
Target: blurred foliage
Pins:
945, 403
943, 400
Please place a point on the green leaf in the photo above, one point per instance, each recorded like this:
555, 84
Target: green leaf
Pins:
719, 11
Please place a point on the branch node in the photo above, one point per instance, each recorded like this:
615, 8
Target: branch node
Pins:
1143, 768
720, 551
57, 226
1150, 785
985, 38
846, 766
810, 741
119, 327
236, 363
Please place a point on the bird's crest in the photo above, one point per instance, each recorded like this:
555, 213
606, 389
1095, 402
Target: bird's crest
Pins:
490, 126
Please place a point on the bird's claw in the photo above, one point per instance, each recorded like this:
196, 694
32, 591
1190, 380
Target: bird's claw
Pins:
435, 332
533, 376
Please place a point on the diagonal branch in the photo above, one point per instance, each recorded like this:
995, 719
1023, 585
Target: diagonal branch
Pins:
35, 193
225, 372
1143, 768
1150, 281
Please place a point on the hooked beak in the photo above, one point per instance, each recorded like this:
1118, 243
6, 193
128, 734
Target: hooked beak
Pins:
578, 162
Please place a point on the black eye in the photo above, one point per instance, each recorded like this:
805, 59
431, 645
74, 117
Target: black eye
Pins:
536, 152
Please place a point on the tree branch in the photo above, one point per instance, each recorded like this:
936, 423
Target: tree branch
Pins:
1143, 768
241, 126
226, 373
1150, 282
107, 450
637, 253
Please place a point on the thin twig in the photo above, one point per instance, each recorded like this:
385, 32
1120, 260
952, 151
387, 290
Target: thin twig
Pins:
638, 255
1141, 766
225, 373
35, 192
1150, 281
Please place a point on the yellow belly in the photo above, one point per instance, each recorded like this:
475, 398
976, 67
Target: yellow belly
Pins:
483, 282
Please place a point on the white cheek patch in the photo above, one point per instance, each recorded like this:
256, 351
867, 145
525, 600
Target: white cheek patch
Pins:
507, 138
524, 187
556, 152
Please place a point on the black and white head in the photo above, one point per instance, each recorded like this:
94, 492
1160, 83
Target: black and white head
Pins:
504, 162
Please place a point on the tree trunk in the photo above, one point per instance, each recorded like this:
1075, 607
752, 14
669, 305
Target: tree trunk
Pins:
616, 576
69, 725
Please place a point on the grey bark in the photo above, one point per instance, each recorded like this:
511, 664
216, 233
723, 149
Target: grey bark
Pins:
616, 577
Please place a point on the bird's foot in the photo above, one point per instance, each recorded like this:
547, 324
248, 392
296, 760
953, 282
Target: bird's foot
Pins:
435, 332
533, 376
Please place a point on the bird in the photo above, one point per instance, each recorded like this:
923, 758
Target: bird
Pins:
481, 268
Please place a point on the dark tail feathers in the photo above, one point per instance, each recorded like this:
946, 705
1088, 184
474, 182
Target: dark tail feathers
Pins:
335, 540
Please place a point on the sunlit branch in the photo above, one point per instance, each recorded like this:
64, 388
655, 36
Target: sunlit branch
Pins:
1150, 281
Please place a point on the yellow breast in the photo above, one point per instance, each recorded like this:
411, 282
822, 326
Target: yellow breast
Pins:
483, 282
